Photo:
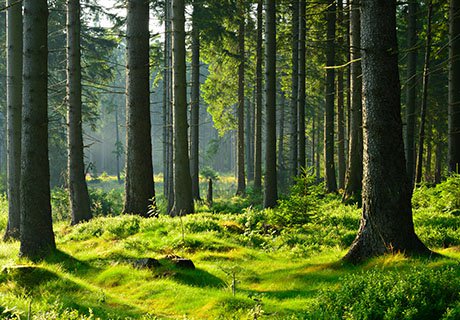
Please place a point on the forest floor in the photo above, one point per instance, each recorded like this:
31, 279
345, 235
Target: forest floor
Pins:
250, 263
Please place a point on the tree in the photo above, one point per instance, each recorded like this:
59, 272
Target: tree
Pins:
331, 183
294, 89
354, 175
301, 78
14, 113
183, 203
271, 192
340, 102
386, 223
258, 106
79, 197
139, 185
195, 103
37, 237
454, 86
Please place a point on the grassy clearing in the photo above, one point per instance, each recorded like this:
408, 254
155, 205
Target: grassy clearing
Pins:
281, 264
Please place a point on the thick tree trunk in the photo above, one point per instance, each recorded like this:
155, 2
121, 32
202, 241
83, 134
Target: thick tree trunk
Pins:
258, 106
426, 70
354, 176
329, 167
454, 86
183, 203
14, 114
294, 146
301, 77
386, 224
271, 188
411, 93
340, 105
79, 197
241, 176
195, 105
37, 237
139, 186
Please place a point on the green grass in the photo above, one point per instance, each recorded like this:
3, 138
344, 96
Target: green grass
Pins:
285, 267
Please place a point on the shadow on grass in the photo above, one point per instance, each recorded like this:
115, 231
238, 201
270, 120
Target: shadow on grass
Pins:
69, 263
198, 278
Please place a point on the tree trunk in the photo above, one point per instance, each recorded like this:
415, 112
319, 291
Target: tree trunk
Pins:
14, 113
354, 176
439, 160
241, 176
258, 106
281, 163
294, 157
117, 144
411, 93
249, 152
386, 224
301, 77
426, 70
37, 237
454, 86
183, 203
340, 105
139, 186
329, 168
271, 189
195, 105
78, 190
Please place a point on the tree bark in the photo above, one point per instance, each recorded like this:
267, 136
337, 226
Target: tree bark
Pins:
281, 162
354, 175
14, 113
37, 237
183, 203
454, 86
249, 132
271, 189
294, 148
241, 176
258, 106
329, 167
426, 69
139, 185
411, 93
302, 78
78, 190
386, 223
195, 104
340, 104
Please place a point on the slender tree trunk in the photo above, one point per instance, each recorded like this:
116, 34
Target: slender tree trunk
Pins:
429, 154
411, 93
183, 203
331, 183
318, 148
348, 84
426, 69
79, 197
439, 160
250, 140
340, 105
314, 139
37, 237
241, 176
117, 143
271, 188
258, 106
454, 86
302, 78
281, 163
195, 104
386, 224
353, 180
14, 112
139, 186
294, 147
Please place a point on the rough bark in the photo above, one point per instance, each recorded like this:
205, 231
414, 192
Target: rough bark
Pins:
195, 105
423, 109
249, 132
281, 162
78, 190
37, 237
139, 186
302, 78
14, 114
329, 165
183, 199
241, 175
454, 86
271, 189
354, 175
340, 103
294, 147
258, 106
411, 84
386, 223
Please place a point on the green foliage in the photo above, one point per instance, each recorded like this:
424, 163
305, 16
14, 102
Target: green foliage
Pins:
209, 173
